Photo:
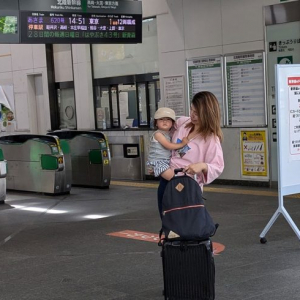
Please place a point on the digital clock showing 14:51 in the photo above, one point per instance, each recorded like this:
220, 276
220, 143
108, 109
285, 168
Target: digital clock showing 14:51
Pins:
57, 27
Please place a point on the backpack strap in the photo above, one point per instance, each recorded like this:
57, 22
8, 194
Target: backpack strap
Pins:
160, 237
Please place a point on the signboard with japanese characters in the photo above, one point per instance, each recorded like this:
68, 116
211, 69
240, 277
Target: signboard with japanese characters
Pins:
294, 117
205, 74
283, 42
174, 94
254, 153
73, 21
245, 90
287, 78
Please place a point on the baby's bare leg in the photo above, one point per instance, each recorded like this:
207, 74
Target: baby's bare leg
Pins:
168, 174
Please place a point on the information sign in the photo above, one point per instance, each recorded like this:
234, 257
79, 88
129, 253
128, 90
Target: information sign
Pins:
254, 153
174, 94
294, 117
245, 90
287, 78
73, 21
205, 74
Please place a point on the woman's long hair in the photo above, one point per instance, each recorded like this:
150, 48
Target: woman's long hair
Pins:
209, 116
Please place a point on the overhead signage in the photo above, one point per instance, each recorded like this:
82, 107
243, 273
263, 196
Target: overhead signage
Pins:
73, 21
245, 90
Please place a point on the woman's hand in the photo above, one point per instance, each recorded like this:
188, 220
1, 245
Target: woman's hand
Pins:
197, 168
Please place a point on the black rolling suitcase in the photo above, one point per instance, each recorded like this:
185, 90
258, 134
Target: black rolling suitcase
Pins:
187, 256
188, 270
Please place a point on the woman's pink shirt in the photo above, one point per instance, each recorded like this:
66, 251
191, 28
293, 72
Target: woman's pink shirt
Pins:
208, 151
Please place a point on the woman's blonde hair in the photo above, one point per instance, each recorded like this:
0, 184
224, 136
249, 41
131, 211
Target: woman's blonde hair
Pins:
209, 115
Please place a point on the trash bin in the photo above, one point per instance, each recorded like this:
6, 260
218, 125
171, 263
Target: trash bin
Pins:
3, 173
90, 156
35, 163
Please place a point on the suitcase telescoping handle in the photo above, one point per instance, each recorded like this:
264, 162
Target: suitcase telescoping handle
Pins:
180, 170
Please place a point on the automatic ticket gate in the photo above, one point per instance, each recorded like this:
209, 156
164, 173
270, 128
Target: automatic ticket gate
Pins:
3, 174
90, 156
35, 163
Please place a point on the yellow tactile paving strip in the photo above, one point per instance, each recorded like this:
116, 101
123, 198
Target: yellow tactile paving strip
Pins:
208, 189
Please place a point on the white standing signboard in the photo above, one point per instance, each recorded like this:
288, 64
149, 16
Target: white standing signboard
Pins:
287, 79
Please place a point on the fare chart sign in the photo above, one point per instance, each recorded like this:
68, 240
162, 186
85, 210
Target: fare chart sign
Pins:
74, 21
294, 117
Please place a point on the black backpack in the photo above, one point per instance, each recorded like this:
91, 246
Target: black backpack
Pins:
184, 215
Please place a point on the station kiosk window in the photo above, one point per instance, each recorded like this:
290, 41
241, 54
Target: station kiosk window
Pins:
126, 102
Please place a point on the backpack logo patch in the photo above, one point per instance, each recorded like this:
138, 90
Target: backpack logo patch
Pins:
179, 187
173, 235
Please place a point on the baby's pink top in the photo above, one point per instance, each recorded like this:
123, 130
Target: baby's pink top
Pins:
198, 150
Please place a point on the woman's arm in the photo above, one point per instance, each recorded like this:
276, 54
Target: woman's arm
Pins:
168, 145
213, 164
196, 168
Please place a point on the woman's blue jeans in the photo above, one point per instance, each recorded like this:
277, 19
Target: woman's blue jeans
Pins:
160, 193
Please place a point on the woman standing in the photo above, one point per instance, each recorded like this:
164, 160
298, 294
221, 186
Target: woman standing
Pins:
203, 155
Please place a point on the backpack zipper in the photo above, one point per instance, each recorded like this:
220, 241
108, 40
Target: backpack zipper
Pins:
183, 207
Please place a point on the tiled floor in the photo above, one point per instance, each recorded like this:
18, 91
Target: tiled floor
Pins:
58, 247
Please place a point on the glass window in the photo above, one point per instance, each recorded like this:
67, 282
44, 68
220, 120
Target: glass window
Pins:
102, 108
128, 105
67, 112
112, 60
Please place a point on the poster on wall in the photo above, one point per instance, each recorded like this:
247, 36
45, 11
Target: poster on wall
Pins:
254, 153
294, 117
245, 90
205, 74
174, 94
7, 108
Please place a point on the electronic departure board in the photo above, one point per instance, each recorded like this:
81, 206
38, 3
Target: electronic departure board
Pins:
70, 21
49, 27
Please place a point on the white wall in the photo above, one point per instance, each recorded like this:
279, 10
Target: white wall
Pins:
16, 63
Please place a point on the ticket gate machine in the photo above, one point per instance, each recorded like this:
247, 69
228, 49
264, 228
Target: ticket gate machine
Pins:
35, 163
90, 156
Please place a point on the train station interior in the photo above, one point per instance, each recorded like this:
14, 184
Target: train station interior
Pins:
80, 82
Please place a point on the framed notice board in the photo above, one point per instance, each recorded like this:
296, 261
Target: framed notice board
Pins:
245, 90
206, 74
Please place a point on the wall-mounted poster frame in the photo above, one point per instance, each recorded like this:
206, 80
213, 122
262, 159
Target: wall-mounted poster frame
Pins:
174, 94
206, 74
245, 89
254, 153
